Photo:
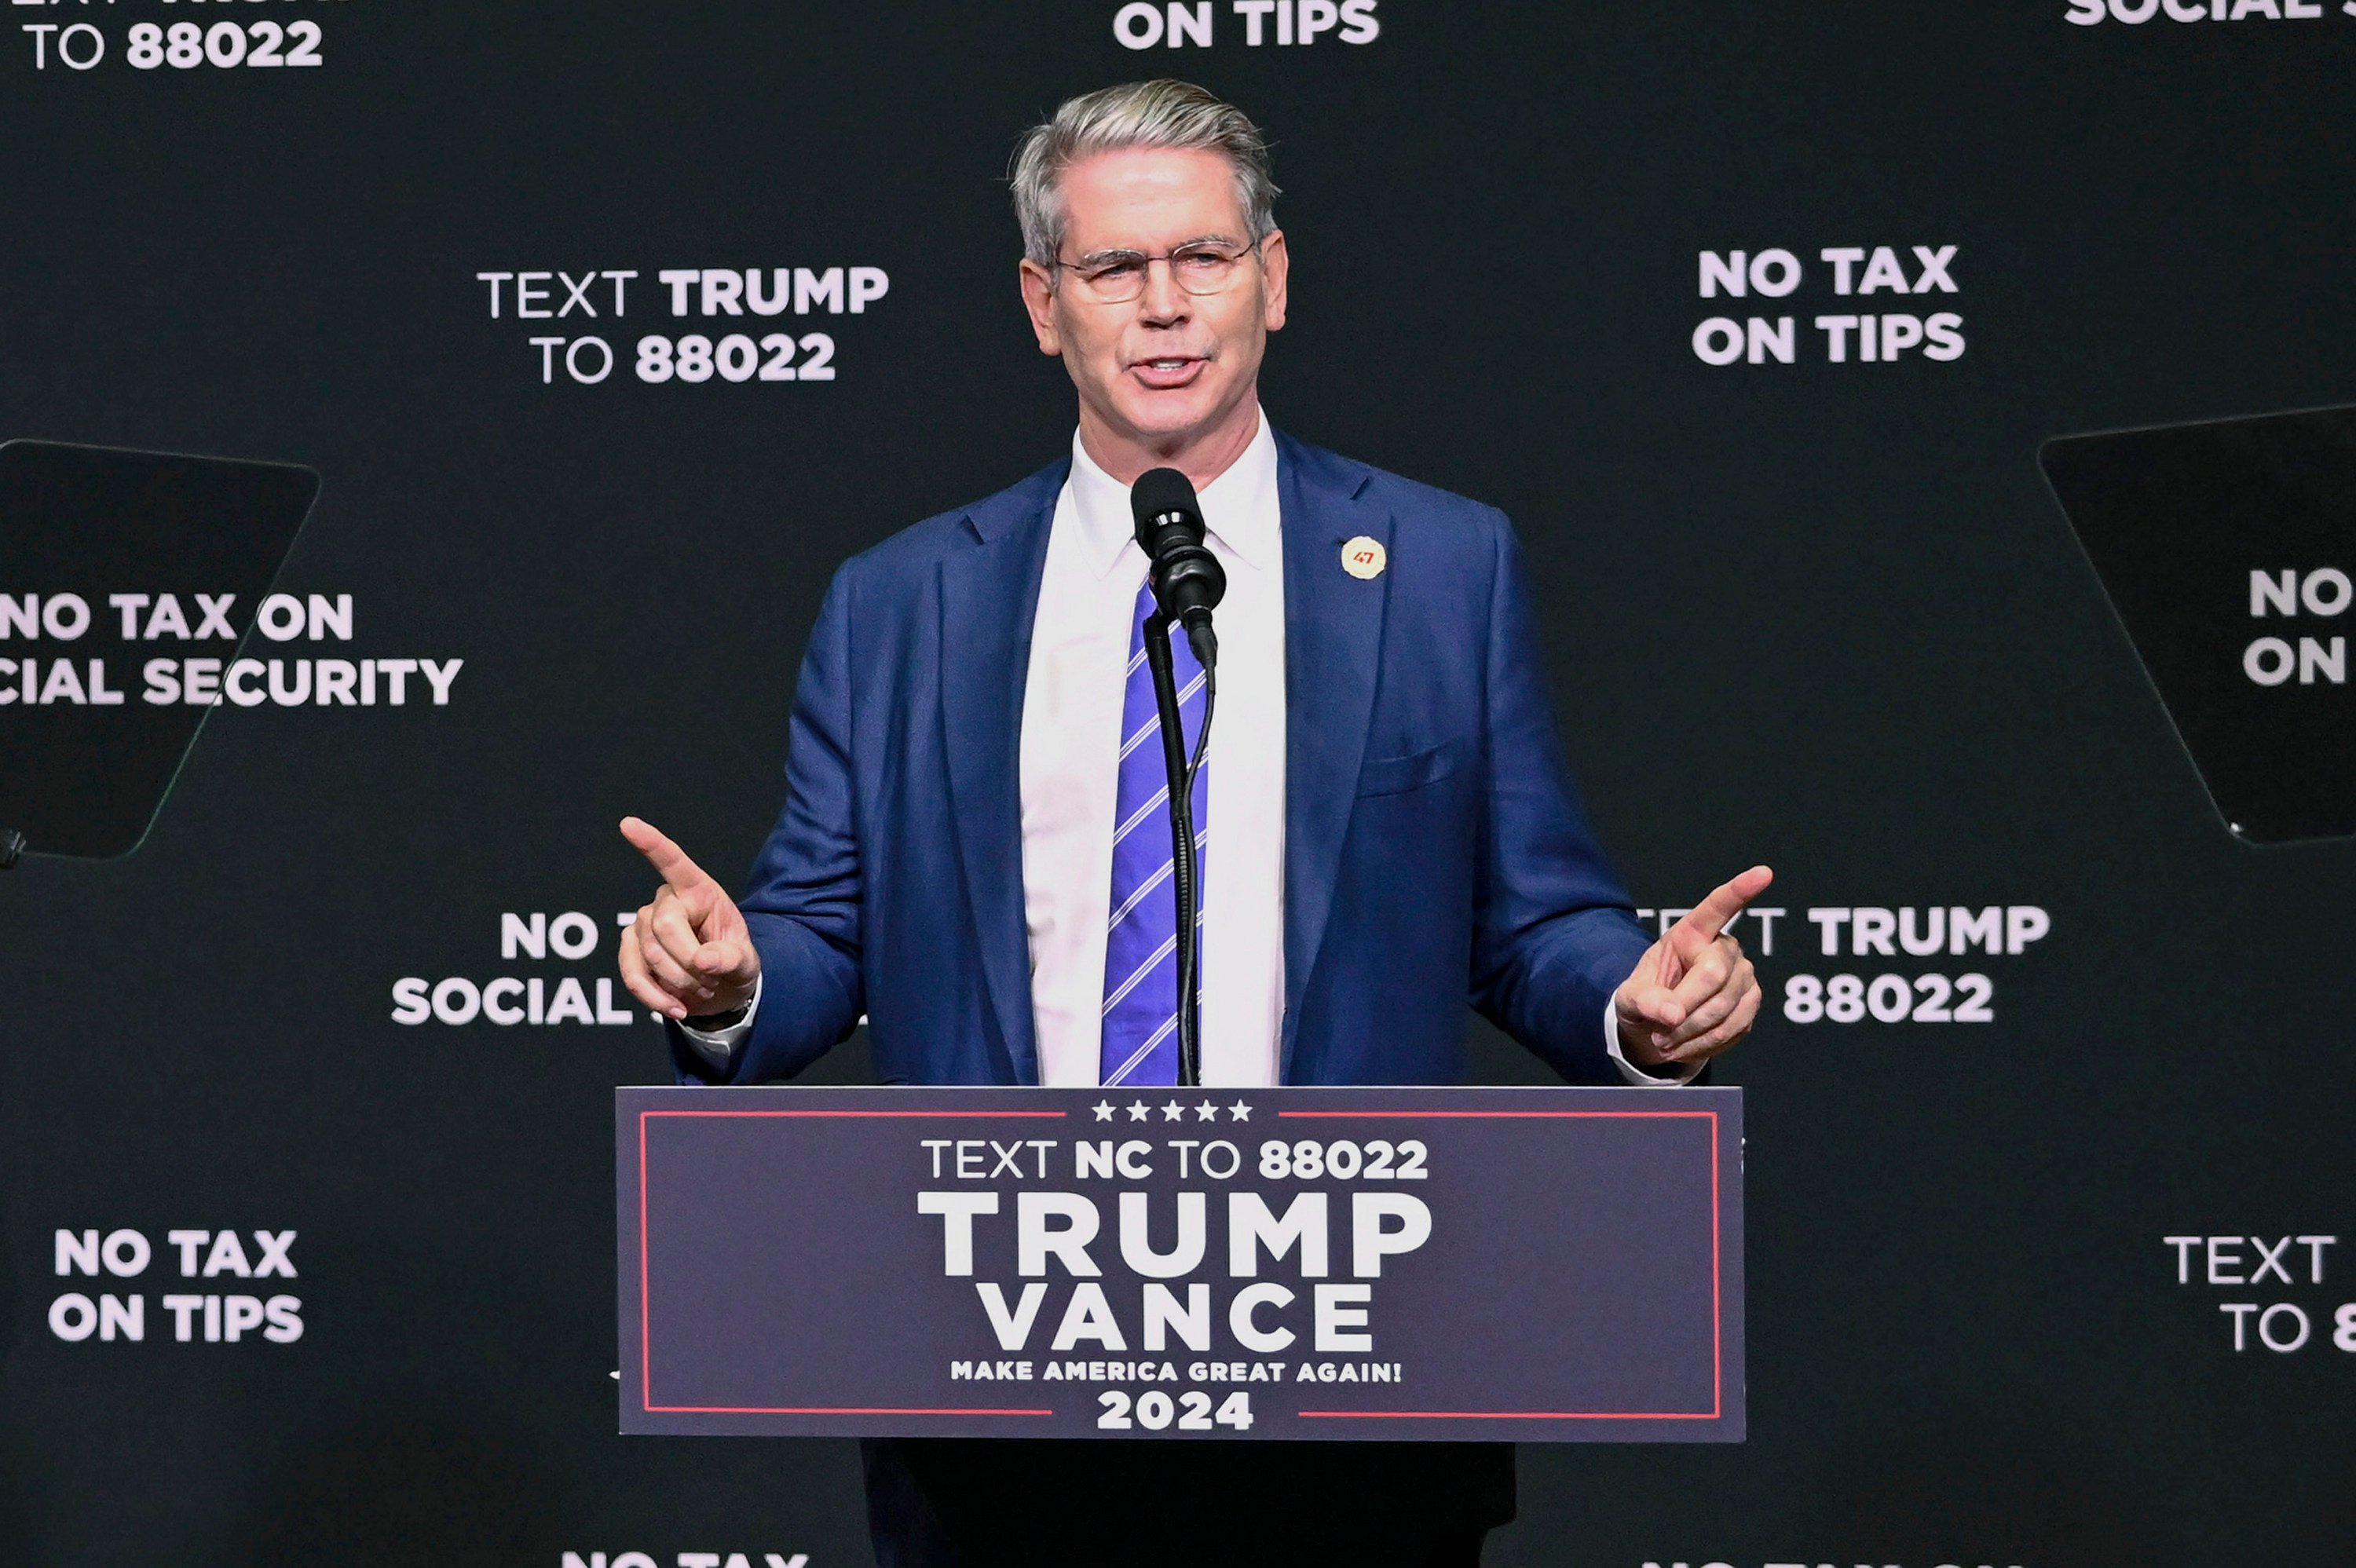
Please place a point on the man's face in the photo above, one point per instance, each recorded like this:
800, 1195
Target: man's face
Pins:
1169, 365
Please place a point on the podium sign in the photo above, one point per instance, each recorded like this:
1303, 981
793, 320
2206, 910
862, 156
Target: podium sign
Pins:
1523, 1265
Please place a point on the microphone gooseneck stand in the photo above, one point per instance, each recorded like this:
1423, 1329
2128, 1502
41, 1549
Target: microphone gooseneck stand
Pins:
1188, 584
1182, 879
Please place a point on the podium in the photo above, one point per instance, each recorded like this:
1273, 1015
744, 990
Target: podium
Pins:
1495, 1264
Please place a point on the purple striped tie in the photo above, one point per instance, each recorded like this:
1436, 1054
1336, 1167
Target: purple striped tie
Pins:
1141, 1006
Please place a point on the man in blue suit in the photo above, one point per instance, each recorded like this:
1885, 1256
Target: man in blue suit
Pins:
967, 855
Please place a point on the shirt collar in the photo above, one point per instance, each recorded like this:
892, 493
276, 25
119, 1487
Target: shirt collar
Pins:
1239, 506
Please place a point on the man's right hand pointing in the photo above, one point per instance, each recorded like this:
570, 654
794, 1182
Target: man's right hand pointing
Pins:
688, 954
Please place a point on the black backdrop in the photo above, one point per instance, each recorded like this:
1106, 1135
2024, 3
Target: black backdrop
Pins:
1824, 614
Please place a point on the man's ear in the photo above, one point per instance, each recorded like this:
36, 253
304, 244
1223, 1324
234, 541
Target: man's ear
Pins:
1276, 266
1039, 299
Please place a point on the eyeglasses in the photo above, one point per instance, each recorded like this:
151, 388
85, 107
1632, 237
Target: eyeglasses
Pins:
1116, 277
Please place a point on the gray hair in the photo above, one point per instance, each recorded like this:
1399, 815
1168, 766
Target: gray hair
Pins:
1172, 114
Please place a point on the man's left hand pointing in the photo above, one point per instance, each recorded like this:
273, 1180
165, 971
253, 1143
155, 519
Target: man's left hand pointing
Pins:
1693, 994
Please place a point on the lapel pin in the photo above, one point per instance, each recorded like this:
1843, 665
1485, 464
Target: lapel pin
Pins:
1364, 558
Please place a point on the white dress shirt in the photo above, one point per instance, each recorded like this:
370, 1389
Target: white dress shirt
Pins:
1071, 771
1070, 749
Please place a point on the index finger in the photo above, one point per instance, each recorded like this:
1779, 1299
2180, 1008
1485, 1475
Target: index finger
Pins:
682, 875
1712, 915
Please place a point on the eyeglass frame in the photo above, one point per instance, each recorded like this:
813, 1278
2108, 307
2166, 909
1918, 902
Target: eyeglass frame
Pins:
1146, 263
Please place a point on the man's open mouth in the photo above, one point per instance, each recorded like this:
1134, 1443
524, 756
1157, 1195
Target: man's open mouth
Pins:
1168, 369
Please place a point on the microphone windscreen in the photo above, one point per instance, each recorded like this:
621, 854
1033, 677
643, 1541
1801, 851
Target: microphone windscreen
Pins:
1157, 493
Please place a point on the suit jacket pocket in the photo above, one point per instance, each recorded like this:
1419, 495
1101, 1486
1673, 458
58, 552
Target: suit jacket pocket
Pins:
1397, 776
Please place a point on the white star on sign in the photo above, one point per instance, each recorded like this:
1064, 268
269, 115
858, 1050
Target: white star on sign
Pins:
1137, 1111
1240, 1111
1207, 1112
1173, 1111
1103, 1111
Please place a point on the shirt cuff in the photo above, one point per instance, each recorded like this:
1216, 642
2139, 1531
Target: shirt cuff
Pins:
717, 1045
1686, 1071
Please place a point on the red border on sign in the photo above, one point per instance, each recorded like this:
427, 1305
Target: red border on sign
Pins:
645, 1333
1717, 1283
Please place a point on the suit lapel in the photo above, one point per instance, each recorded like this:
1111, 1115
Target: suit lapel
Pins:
1333, 641
990, 592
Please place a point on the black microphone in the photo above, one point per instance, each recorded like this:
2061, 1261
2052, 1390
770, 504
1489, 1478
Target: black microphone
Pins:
1188, 580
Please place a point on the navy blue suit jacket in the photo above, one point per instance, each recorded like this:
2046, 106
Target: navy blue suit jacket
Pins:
1434, 849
